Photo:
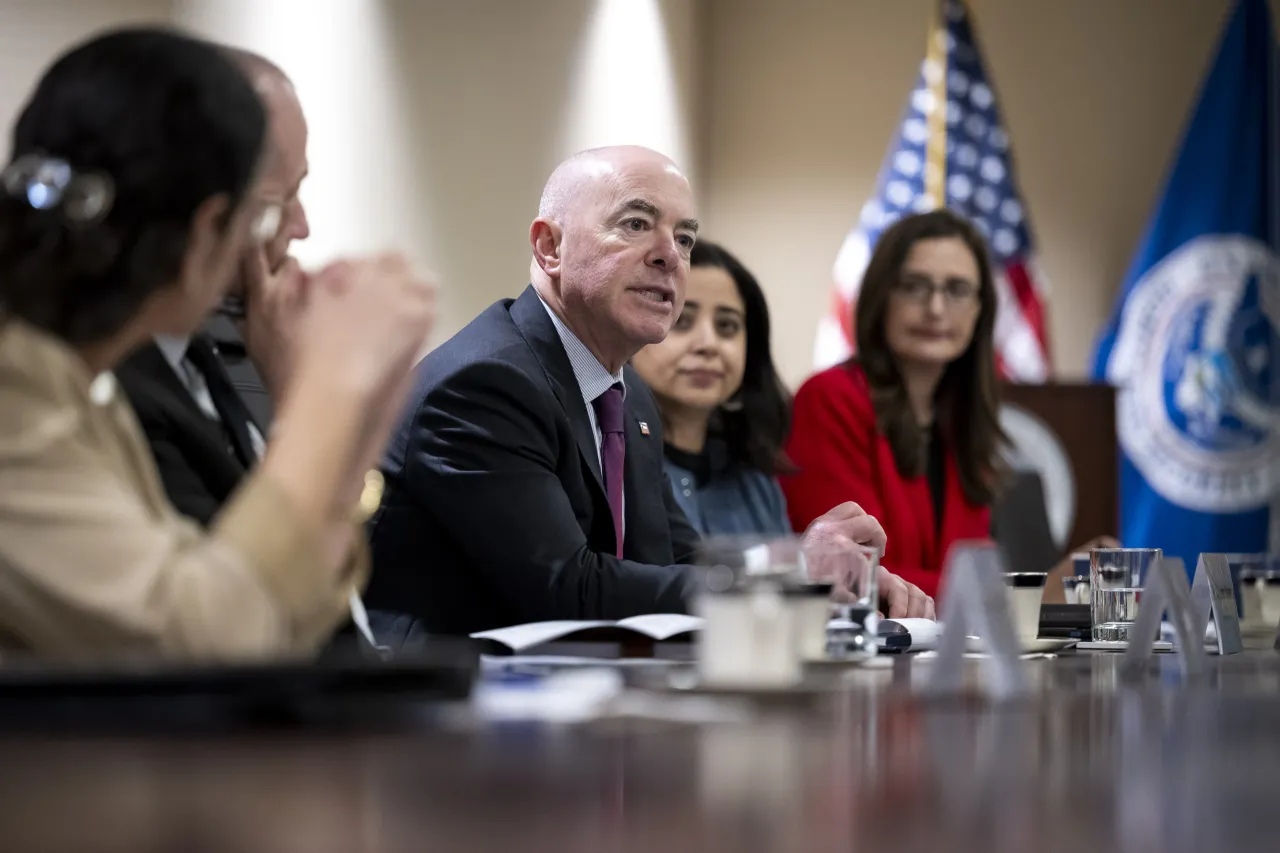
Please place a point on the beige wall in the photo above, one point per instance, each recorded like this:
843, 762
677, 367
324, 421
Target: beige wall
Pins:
33, 32
803, 98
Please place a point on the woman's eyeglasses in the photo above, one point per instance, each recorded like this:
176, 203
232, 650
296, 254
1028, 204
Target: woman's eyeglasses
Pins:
955, 291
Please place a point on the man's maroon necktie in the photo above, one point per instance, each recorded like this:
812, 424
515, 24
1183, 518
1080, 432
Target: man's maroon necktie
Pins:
613, 453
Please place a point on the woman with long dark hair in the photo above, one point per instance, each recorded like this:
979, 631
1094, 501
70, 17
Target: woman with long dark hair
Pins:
909, 428
725, 413
131, 196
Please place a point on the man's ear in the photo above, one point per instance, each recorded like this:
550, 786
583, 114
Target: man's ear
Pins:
545, 237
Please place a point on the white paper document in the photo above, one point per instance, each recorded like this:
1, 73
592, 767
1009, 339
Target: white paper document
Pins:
656, 626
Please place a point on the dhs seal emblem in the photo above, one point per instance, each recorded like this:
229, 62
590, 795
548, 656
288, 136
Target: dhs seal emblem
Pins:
1197, 364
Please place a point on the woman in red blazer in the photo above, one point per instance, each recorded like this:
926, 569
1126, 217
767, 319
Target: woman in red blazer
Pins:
909, 429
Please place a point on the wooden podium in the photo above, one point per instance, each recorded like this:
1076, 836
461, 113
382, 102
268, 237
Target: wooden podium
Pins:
1081, 416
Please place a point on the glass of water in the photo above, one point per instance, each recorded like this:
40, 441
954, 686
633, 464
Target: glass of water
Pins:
853, 572
1116, 578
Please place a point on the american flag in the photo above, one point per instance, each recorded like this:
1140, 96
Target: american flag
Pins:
952, 148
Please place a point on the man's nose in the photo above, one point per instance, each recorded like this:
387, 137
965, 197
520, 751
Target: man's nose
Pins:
665, 252
299, 227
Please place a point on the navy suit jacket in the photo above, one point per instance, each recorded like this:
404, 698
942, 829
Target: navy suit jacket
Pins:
495, 512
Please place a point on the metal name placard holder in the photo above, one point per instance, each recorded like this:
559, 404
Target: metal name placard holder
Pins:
1166, 587
975, 602
1212, 593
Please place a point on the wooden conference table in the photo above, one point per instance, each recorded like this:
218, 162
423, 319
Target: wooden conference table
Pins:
1086, 764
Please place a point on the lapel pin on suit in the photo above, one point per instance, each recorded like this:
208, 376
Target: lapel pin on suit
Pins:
644, 428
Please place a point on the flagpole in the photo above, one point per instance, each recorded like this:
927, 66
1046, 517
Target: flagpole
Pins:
936, 153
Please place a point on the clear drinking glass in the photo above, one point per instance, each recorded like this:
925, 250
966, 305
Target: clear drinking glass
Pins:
850, 567
853, 571
1116, 578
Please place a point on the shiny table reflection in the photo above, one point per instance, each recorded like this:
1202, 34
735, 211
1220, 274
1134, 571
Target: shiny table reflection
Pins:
1087, 763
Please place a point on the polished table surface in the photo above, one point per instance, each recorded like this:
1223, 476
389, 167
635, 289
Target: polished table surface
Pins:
1088, 762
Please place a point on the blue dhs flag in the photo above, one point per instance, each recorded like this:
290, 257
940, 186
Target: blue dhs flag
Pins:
1193, 346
